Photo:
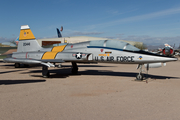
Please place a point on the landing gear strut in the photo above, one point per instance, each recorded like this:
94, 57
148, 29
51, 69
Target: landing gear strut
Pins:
45, 72
74, 68
140, 75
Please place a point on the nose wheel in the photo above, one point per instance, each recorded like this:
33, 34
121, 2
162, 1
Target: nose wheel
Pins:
140, 75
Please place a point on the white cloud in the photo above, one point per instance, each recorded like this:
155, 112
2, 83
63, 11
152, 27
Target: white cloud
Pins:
148, 40
83, 33
151, 15
114, 12
142, 17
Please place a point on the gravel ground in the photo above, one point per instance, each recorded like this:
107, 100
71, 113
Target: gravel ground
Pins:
98, 92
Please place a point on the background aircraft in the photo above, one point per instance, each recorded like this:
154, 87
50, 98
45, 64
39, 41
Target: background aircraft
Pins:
7, 48
168, 50
59, 33
105, 51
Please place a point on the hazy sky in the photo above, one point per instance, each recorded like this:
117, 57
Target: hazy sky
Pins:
148, 21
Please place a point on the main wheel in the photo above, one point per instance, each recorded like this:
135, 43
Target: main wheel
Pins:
139, 76
45, 74
17, 65
26, 65
74, 71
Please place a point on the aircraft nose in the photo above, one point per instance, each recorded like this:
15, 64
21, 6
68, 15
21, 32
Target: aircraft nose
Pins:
167, 59
173, 59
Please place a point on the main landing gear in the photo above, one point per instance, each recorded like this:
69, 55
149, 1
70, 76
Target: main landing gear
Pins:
45, 72
140, 75
74, 70
17, 65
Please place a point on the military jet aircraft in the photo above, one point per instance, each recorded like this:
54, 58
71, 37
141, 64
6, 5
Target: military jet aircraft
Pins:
103, 51
167, 50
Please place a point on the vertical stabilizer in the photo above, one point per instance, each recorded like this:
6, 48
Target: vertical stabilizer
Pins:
59, 33
27, 41
26, 33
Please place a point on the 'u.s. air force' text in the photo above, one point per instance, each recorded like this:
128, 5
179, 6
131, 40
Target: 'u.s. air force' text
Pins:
117, 58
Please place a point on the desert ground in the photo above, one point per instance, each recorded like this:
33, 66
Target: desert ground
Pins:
97, 92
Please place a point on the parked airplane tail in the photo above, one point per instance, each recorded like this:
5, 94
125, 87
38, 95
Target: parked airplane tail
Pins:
59, 33
27, 41
17, 40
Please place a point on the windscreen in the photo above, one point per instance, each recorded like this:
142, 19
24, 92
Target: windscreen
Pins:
120, 45
117, 44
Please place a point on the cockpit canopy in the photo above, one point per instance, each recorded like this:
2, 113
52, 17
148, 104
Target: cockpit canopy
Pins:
114, 44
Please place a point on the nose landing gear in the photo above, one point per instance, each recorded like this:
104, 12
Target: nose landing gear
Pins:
140, 75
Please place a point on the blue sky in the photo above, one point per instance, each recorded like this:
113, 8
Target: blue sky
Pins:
149, 21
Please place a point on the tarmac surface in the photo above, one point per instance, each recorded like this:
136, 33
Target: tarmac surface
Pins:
98, 92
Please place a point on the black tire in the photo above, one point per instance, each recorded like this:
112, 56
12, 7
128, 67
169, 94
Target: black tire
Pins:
74, 71
45, 75
26, 65
17, 65
139, 76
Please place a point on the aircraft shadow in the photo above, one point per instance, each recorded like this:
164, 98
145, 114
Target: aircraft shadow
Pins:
10, 71
63, 73
10, 82
124, 74
22, 66
56, 73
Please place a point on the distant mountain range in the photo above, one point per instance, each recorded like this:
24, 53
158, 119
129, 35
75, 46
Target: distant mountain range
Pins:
155, 47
